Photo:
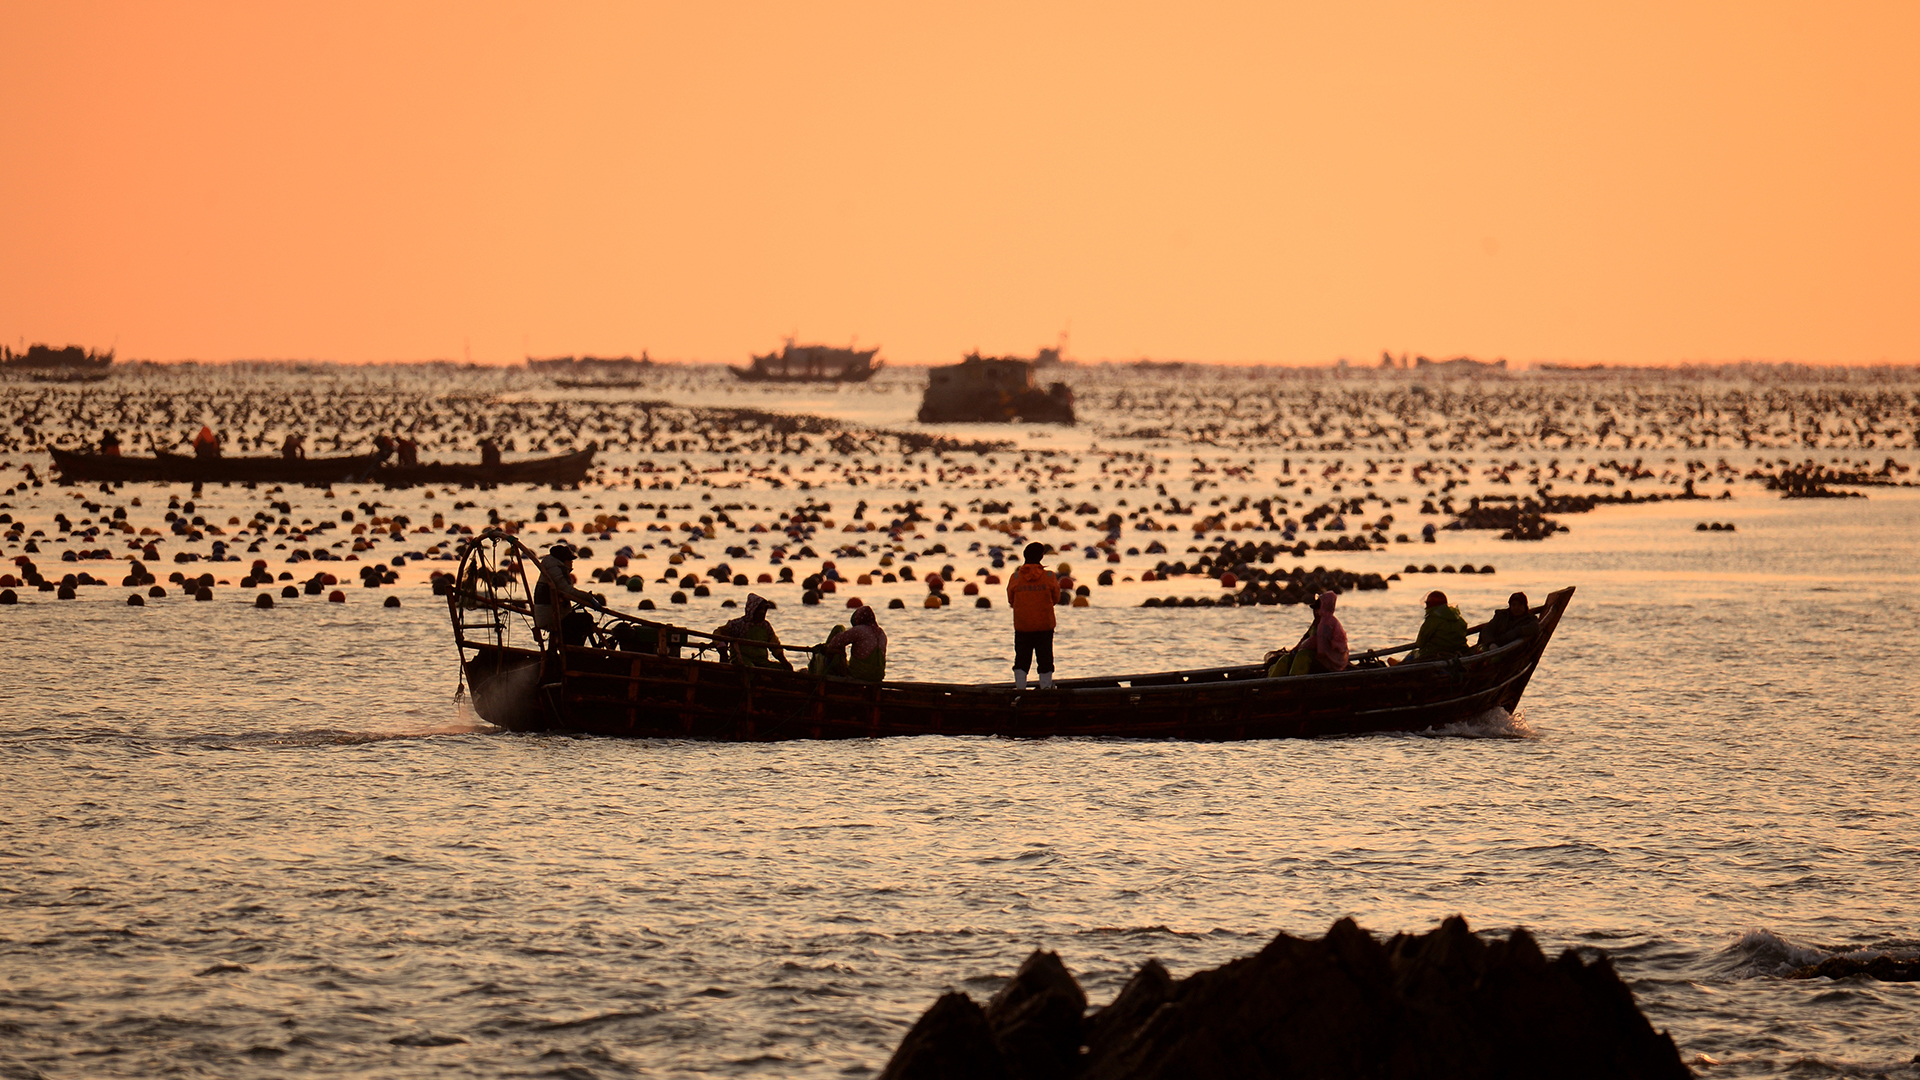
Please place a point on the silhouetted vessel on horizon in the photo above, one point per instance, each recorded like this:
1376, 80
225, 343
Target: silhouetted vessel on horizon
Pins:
995, 389
811, 363
47, 358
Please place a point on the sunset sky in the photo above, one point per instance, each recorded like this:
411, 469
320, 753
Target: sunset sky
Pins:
1621, 182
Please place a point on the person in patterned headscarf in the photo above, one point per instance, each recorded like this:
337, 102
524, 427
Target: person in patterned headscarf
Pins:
755, 643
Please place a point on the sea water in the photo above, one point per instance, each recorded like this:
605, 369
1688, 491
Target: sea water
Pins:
238, 841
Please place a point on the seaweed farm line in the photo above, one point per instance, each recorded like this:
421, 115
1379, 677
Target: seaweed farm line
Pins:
246, 840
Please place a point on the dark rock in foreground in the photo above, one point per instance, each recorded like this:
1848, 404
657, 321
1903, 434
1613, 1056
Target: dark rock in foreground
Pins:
1442, 1004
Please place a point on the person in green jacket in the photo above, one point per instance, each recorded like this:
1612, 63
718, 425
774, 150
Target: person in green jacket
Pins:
1443, 634
752, 626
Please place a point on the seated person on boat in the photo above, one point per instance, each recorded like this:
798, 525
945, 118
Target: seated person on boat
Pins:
109, 444
551, 598
294, 448
1443, 633
868, 644
1323, 649
753, 637
1515, 622
489, 452
206, 444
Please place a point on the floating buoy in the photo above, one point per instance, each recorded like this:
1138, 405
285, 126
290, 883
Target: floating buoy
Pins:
136, 600
156, 591
66, 592
392, 601
854, 602
810, 597
289, 593
263, 601
336, 597
677, 598
970, 589
1227, 580
764, 579
895, 604
983, 602
646, 605
8, 596
1081, 601
933, 600
203, 593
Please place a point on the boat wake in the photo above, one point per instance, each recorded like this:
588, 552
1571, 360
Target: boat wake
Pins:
1761, 953
1495, 723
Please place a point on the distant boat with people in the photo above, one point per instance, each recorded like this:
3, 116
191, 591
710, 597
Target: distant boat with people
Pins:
811, 363
46, 358
995, 389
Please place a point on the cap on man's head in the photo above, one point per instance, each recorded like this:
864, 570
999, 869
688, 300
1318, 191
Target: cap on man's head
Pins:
1436, 598
562, 551
1034, 552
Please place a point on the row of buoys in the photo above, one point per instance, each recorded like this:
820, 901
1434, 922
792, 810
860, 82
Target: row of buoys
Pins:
1717, 526
1463, 568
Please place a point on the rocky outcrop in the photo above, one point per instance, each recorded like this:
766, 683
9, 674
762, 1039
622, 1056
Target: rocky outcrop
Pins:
1441, 1004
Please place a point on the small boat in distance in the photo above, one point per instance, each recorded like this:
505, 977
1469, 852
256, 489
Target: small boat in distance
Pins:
73, 358
165, 468
631, 679
811, 363
995, 389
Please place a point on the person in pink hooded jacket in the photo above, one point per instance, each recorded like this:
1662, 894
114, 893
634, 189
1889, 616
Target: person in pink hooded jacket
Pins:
1329, 638
1323, 648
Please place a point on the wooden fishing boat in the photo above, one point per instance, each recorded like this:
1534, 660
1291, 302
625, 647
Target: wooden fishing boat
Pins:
321, 471
168, 468
638, 678
558, 469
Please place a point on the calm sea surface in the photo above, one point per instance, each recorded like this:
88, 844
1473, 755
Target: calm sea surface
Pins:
237, 841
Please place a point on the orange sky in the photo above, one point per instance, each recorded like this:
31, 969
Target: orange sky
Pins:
1624, 182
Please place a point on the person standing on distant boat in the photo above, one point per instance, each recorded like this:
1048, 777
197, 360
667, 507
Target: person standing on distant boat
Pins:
489, 452
552, 595
1032, 593
109, 444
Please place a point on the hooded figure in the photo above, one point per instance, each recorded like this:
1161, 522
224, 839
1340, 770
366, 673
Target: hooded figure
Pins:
1329, 637
1515, 622
868, 644
553, 592
1443, 633
752, 627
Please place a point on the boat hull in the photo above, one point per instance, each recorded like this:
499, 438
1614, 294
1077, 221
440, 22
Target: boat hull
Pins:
360, 468
559, 469
182, 469
611, 692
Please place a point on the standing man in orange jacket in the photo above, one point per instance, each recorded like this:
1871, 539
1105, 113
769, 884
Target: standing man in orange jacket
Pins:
1032, 593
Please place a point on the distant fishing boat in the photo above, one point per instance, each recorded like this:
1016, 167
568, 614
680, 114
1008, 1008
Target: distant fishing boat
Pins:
168, 468
811, 363
634, 679
995, 389
48, 358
